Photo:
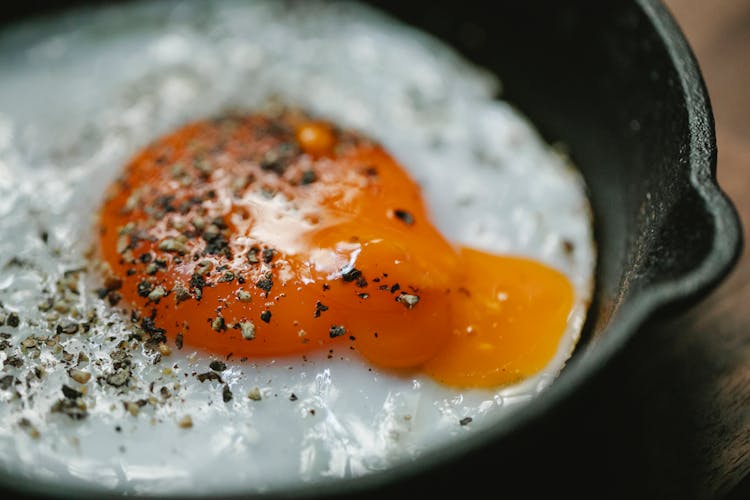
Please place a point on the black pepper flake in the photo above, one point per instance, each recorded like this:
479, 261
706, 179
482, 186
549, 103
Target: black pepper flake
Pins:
336, 331
13, 320
292, 397
319, 308
218, 324
118, 378
178, 340
226, 394
265, 283
197, 282
14, 361
68, 328
308, 177
110, 285
216, 243
351, 274
361, 282
363, 295
71, 393
278, 159
227, 277
267, 255
7, 381
405, 216
465, 420
119, 358
70, 408
156, 335
266, 316
252, 255
144, 288
202, 377
408, 300
113, 298
218, 366
165, 202
181, 293
395, 288
146, 258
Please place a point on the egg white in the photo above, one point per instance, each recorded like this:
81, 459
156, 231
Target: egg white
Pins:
81, 92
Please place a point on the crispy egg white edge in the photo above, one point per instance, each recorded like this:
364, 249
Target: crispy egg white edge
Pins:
81, 92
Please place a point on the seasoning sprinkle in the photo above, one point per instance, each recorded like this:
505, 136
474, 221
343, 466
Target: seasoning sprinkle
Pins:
248, 330
217, 366
351, 274
268, 254
79, 376
185, 422
308, 177
336, 331
68, 328
13, 320
254, 394
218, 324
265, 283
319, 308
71, 393
202, 377
405, 216
156, 294
226, 394
408, 300
252, 255
173, 245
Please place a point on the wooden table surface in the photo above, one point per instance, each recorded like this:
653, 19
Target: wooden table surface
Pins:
701, 407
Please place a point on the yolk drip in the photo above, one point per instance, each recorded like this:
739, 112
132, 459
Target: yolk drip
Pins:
266, 236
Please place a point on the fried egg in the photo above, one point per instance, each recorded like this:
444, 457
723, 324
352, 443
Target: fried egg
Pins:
250, 246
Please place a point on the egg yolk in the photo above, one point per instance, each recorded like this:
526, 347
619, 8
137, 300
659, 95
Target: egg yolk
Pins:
267, 236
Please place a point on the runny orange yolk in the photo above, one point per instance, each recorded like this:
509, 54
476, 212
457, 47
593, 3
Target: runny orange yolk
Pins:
269, 236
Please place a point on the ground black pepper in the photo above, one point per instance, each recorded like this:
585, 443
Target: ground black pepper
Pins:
336, 331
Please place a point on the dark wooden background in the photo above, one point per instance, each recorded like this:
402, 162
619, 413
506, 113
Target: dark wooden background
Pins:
700, 405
